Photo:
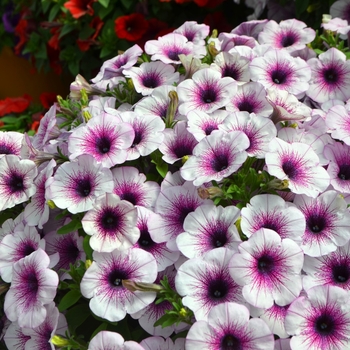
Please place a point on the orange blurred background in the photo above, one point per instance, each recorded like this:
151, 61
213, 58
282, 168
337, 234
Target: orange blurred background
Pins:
18, 77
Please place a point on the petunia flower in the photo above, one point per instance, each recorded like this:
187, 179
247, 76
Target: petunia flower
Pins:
168, 48
228, 326
194, 32
215, 157
112, 341
327, 222
150, 75
14, 337
299, 164
290, 35
14, 104
159, 343
340, 8
111, 223
33, 286
102, 282
11, 143
104, 137
206, 281
268, 268
320, 319
272, 212
77, 184
131, 27
329, 77
207, 91
16, 180
330, 269
79, 8
279, 70
338, 120
207, 228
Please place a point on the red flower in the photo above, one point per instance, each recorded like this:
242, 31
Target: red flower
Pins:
85, 44
47, 99
14, 104
54, 40
21, 30
208, 3
131, 27
79, 8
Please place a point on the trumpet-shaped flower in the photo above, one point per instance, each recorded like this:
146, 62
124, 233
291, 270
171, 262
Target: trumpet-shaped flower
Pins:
299, 164
33, 286
207, 228
111, 224
229, 327
16, 180
102, 282
112, 341
320, 319
327, 222
216, 156
268, 268
207, 91
77, 184
10, 143
206, 281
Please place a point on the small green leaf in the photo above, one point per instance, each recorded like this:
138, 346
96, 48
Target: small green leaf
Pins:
104, 3
69, 299
53, 12
87, 248
74, 225
67, 28
77, 315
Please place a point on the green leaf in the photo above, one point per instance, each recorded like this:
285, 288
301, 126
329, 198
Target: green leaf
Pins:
300, 7
127, 4
102, 327
87, 248
69, 300
162, 169
77, 315
67, 28
53, 12
9, 120
74, 225
104, 3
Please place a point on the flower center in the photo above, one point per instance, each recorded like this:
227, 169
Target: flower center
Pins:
6, 149
230, 342
173, 54
218, 289
150, 81
231, 71
103, 145
208, 96
116, 277
15, 183
316, 223
145, 241
218, 238
137, 139
288, 40
265, 264
340, 273
344, 172
209, 128
109, 220
32, 285
130, 197
278, 77
290, 169
182, 149
83, 187
219, 163
324, 325
331, 75
246, 106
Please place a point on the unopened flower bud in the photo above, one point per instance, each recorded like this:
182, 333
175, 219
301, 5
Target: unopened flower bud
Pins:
277, 184
88, 263
51, 204
210, 192
172, 108
143, 287
86, 116
212, 49
59, 341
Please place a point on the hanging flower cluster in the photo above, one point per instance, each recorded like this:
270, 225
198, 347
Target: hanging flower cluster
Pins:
193, 195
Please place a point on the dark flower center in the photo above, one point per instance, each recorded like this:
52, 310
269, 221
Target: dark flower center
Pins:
174, 54
83, 187
246, 106
316, 223
145, 241
341, 273
32, 285
27, 249
231, 71
150, 81
270, 224
290, 169
185, 210
288, 40
344, 172
115, 278
15, 183
218, 238
182, 149
130, 197
209, 128
137, 139
103, 145
278, 77
109, 220
331, 75
208, 96
219, 163
218, 289
265, 264
6, 149
230, 342
324, 325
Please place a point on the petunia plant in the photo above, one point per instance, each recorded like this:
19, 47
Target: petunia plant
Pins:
193, 194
